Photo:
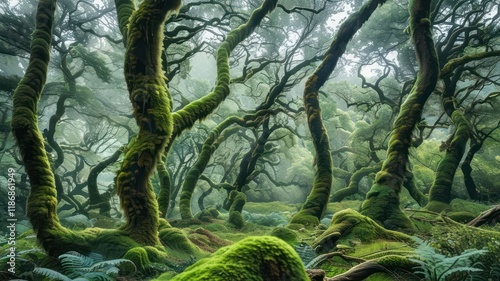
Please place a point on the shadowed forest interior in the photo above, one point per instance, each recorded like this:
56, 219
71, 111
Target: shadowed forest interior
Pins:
249, 140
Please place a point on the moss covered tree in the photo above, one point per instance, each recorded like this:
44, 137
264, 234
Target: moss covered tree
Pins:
455, 146
151, 101
199, 109
315, 205
382, 201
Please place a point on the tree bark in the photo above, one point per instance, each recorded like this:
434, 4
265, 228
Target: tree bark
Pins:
382, 201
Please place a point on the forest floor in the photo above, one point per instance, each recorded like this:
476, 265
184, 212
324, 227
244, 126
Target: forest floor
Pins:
453, 250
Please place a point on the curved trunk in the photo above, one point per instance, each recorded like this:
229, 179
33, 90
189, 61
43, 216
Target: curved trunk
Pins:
316, 203
164, 193
415, 193
440, 192
382, 202
466, 168
209, 146
151, 103
352, 188
95, 198
201, 108
42, 202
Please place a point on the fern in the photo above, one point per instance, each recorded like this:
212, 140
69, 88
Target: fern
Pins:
79, 267
305, 252
51, 274
437, 267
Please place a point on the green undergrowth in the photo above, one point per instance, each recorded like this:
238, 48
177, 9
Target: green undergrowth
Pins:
353, 236
270, 207
334, 207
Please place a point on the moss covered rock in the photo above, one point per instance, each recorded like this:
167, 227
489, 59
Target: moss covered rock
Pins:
252, 259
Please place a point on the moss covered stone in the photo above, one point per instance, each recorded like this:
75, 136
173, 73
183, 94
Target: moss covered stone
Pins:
263, 258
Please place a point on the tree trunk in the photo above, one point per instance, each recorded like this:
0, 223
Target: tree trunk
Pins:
151, 103
440, 192
382, 201
314, 208
41, 207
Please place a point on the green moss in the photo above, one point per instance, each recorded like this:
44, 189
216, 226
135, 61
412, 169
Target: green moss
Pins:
389, 180
474, 208
349, 225
382, 205
345, 204
392, 262
166, 276
208, 215
286, 234
441, 187
452, 239
139, 257
238, 200
304, 219
176, 241
163, 223
236, 219
437, 206
269, 207
461, 216
252, 259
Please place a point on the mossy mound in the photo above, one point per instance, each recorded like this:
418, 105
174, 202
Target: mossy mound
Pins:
304, 219
262, 258
178, 244
206, 240
286, 234
146, 257
139, 257
208, 215
462, 217
334, 207
351, 225
452, 239
438, 207
460, 205
459, 210
236, 219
